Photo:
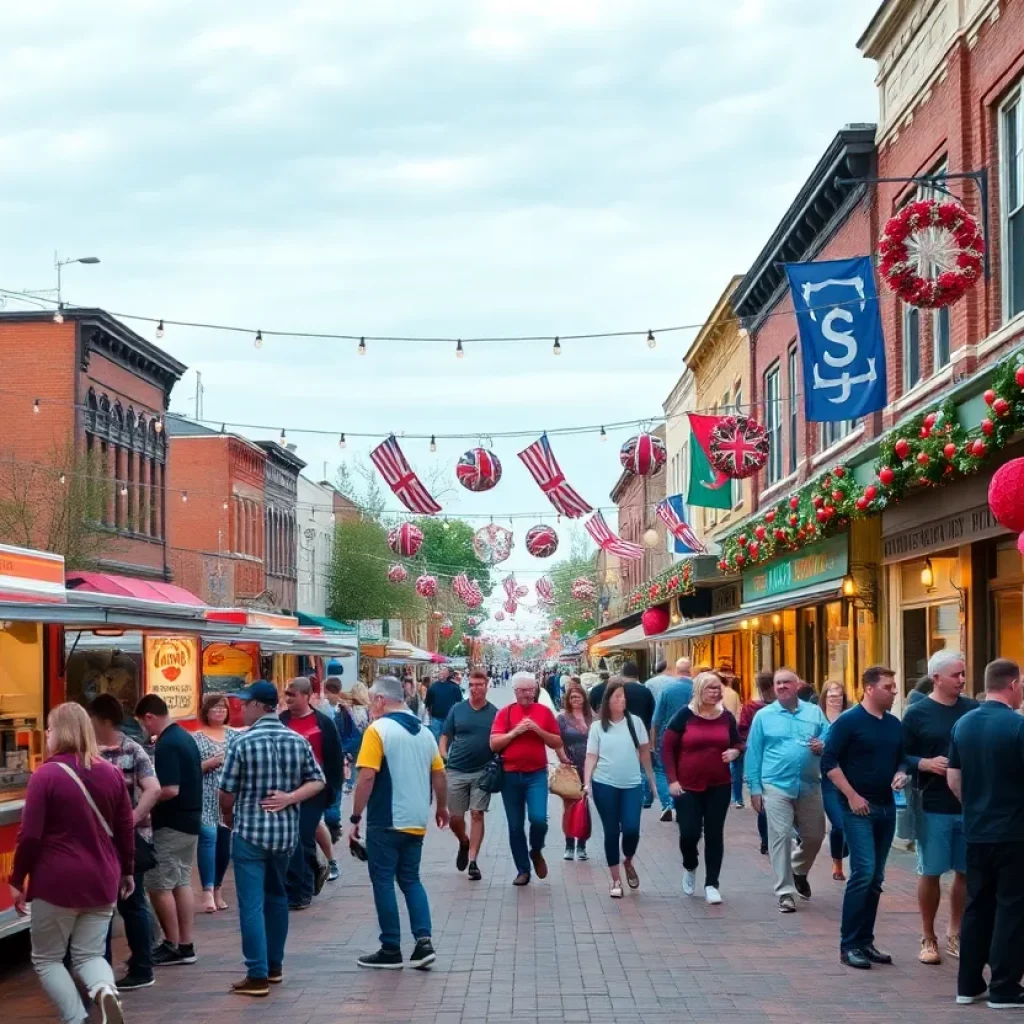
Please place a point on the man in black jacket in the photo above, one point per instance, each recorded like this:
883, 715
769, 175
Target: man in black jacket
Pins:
322, 735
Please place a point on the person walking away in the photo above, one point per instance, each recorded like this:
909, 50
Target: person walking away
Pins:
833, 703
349, 735
357, 703
986, 765
399, 766
322, 735
214, 850
864, 760
675, 695
139, 776
764, 684
269, 771
442, 695
941, 846
574, 723
466, 749
618, 749
784, 778
522, 733
699, 746
177, 819
77, 845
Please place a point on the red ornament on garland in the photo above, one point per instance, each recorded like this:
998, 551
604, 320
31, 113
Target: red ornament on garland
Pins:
655, 620
1000, 406
822, 515
871, 492
753, 551
541, 541
978, 448
817, 501
837, 495
738, 446
989, 396
794, 502
922, 459
902, 447
760, 532
863, 502
886, 475
643, 455
740, 558
780, 535
742, 540
839, 472
793, 520
930, 420
1019, 376
987, 426
949, 451
478, 470
769, 516
405, 540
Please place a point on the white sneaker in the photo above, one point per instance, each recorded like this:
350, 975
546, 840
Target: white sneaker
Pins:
712, 895
109, 1005
689, 882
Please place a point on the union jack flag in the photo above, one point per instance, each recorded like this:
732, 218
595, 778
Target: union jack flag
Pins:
398, 475
672, 517
608, 541
540, 460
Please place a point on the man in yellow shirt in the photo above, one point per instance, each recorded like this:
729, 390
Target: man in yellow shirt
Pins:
398, 765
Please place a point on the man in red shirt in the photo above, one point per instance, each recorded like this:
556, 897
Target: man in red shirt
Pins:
322, 735
522, 734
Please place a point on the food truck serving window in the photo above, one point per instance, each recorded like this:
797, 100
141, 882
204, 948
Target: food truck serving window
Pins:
21, 701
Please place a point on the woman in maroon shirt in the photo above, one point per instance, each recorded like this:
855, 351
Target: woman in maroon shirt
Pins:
78, 857
697, 748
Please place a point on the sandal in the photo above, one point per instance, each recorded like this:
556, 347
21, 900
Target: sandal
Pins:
616, 891
632, 878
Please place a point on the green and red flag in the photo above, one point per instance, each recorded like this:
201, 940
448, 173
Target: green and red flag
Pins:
708, 486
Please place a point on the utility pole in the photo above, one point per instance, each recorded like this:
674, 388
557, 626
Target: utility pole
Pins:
199, 395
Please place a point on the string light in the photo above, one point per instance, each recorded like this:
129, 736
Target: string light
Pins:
433, 443
58, 316
362, 347
158, 425
341, 442
63, 479
124, 490
603, 435
556, 349
35, 406
258, 340
225, 506
459, 353
184, 497
160, 329
651, 340
284, 438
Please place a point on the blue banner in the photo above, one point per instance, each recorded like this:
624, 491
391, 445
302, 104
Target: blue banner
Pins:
841, 342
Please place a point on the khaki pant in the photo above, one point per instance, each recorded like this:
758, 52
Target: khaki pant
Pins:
806, 814
52, 928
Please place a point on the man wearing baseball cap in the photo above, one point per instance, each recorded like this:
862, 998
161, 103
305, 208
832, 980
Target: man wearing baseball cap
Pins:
268, 772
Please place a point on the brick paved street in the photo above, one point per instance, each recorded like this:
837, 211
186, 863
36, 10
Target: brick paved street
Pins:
562, 950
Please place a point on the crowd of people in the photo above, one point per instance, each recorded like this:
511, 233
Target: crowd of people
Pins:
132, 823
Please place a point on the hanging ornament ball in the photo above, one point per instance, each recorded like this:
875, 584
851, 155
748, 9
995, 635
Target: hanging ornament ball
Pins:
902, 447
478, 470
492, 544
652, 538
499, 616
437, 614
643, 455
738, 446
397, 573
1004, 493
839, 472
541, 541
886, 475
583, 589
930, 420
793, 520
446, 630
655, 620
426, 586
780, 535
405, 540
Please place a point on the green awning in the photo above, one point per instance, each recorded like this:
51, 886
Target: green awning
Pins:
326, 624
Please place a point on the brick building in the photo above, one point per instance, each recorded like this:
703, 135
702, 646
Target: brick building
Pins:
281, 531
86, 398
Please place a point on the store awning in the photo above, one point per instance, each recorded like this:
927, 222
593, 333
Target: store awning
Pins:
634, 639
327, 624
126, 586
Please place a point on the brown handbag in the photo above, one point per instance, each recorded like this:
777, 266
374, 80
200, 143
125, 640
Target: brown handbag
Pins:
564, 781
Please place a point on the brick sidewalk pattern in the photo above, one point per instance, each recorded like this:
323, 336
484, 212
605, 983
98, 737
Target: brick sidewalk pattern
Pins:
562, 950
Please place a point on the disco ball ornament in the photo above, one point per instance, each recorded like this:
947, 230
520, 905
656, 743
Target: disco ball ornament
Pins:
473, 621
397, 573
510, 606
405, 540
446, 629
426, 586
492, 544
583, 589
522, 591
541, 541
499, 616
478, 470
651, 538
643, 455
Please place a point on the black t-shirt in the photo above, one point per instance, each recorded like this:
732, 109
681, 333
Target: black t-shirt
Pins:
441, 697
639, 701
469, 736
178, 763
868, 749
927, 727
988, 749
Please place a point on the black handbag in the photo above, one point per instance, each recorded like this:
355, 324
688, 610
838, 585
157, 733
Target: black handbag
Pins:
145, 853
493, 775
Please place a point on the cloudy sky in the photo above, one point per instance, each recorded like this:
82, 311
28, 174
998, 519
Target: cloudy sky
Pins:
426, 167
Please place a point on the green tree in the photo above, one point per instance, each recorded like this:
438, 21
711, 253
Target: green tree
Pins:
447, 551
358, 584
581, 561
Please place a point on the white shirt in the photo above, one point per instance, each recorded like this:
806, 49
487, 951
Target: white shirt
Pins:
618, 760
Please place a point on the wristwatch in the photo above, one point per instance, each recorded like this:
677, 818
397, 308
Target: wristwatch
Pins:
356, 818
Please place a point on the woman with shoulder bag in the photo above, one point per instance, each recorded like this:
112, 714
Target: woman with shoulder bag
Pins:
574, 723
77, 843
618, 750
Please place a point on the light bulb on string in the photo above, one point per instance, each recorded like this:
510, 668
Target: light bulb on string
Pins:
651, 340
63, 479
433, 443
362, 347
35, 406
160, 329
459, 351
58, 316
184, 497
158, 425
225, 506
556, 349
603, 435
284, 438
124, 490
258, 340
341, 441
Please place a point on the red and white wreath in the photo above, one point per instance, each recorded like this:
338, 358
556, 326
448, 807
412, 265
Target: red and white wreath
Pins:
738, 446
931, 253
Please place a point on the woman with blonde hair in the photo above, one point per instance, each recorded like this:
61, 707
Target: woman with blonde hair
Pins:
574, 723
697, 748
833, 702
77, 844
357, 700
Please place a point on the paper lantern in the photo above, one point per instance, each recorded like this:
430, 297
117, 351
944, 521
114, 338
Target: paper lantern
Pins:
478, 470
510, 606
397, 573
542, 541
426, 586
446, 630
643, 455
651, 538
492, 544
405, 540
655, 620
499, 616
545, 590
583, 589
1004, 495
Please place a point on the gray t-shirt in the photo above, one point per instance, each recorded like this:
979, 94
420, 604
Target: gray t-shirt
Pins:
618, 761
469, 736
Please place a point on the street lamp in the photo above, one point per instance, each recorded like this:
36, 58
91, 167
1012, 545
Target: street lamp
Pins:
58, 264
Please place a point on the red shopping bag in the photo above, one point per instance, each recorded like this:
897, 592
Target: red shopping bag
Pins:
576, 820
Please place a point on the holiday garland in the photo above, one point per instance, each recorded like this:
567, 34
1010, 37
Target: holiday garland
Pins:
929, 450
675, 581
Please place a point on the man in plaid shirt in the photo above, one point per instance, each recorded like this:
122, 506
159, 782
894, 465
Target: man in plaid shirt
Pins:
268, 771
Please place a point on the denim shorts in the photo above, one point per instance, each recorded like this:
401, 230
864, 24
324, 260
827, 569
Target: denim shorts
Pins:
941, 845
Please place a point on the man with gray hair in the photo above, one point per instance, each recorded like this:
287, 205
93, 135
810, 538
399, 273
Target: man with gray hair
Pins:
398, 764
941, 843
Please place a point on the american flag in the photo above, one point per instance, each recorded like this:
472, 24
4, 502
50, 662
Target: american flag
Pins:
540, 460
608, 541
678, 526
398, 475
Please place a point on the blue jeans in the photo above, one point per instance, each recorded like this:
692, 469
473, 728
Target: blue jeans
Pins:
525, 795
138, 930
332, 815
869, 837
619, 810
736, 771
436, 725
262, 905
213, 855
833, 803
661, 780
301, 878
394, 856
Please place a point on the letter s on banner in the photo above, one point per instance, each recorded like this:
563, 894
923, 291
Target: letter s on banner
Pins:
840, 325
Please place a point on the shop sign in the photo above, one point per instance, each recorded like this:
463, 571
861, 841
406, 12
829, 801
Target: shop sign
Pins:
725, 599
172, 672
818, 563
952, 530
35, 574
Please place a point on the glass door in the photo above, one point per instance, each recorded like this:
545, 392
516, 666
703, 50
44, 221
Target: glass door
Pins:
1008, 621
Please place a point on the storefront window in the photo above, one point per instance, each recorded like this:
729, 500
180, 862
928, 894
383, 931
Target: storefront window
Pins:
925, 631
104, 670
837, 643
1008, 616
21, 702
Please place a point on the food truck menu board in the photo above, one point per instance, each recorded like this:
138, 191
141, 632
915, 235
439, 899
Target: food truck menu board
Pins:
172, 672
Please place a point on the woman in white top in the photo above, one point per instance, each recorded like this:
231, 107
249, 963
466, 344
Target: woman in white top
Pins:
617, 750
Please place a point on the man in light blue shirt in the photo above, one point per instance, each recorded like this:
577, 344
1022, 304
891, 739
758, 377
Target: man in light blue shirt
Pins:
784, 775
672, 694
